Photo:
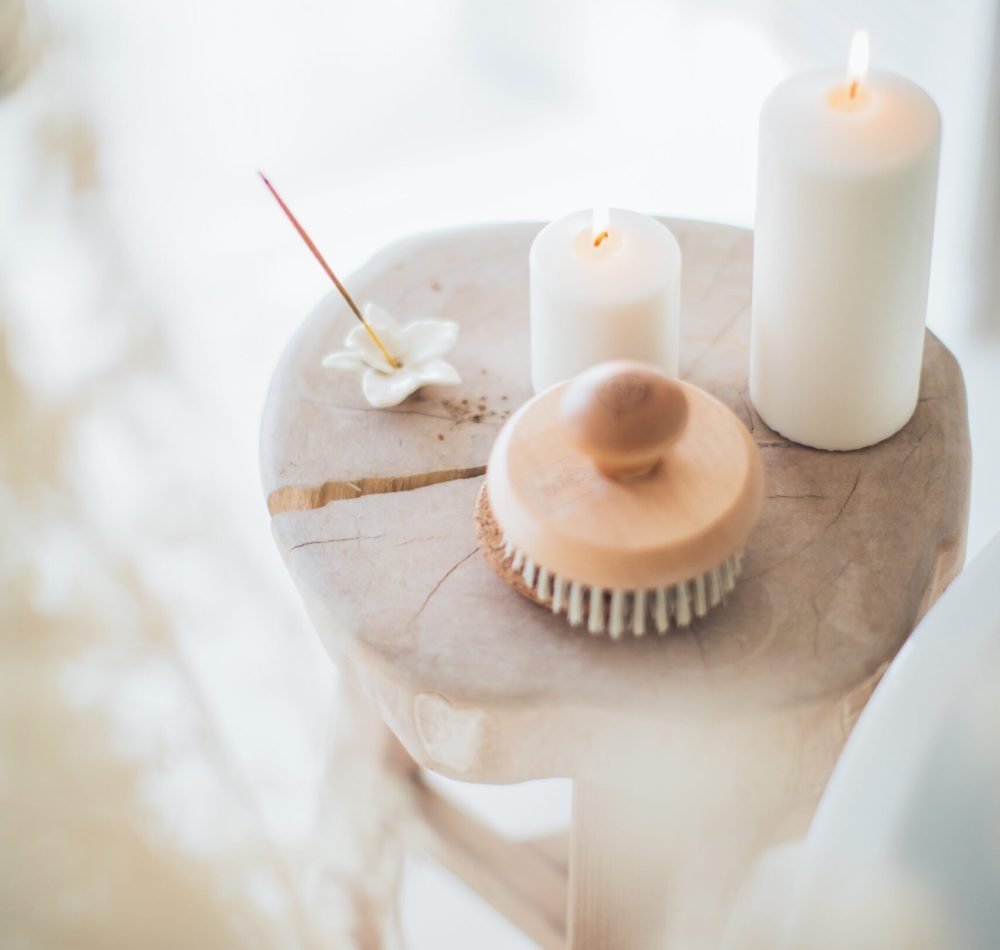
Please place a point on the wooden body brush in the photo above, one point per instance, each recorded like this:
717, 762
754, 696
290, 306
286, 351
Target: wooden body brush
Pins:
622, 499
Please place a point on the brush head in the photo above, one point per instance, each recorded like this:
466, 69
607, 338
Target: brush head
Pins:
615, 612
625, 480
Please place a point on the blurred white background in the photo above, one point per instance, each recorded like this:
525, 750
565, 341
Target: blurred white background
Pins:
165, 706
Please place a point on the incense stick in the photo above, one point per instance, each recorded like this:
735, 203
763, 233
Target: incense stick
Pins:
329, 271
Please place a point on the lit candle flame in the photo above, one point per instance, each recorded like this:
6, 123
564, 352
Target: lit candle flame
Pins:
599, 225
857, 61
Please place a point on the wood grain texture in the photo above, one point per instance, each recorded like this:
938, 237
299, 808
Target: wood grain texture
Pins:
483, 685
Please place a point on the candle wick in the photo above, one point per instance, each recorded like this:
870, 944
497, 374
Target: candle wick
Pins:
853, 91
600, 238
394, 363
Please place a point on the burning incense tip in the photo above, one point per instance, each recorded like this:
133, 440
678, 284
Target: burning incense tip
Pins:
394, 363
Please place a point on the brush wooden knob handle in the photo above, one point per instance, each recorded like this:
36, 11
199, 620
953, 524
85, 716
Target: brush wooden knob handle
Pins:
624, 415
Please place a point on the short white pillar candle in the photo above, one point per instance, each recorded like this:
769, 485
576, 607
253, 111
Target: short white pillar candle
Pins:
603, 286
847, 180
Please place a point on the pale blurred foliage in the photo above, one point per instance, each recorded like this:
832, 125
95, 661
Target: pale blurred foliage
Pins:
15, 43
124, 821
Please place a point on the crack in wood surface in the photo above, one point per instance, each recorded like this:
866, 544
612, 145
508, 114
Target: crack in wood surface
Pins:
913, 448
353, 537
444, 417
307, 498
805, 547
711, 344
847, 500
787, 497
451, 570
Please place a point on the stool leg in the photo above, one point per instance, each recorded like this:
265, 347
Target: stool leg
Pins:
354, 881
653, 873
620, 871
658, 853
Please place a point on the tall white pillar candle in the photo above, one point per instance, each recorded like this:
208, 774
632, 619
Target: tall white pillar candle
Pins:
847, 179
603, 288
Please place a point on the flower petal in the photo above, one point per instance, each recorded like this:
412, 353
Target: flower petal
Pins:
379, 318
343, 359
426, 339
388, 330
436, 373
359, 341
389, 389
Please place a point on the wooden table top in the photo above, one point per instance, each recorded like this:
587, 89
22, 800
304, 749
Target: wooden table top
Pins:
372, 510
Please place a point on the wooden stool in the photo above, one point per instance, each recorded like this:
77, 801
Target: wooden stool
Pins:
688, 753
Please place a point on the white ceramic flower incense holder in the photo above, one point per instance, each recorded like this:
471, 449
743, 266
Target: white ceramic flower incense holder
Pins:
418, 347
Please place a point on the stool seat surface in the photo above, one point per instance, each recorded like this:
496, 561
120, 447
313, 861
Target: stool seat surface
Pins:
372, 510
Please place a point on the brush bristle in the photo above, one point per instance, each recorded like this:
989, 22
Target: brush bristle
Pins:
622, 610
